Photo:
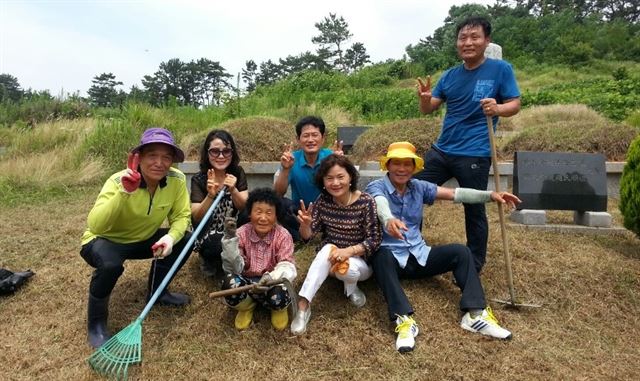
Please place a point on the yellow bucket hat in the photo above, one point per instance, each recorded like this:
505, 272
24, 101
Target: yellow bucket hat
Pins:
402, 150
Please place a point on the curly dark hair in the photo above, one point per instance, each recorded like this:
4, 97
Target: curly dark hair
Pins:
205, 165
312, 120
269, 197
328, 162
475, 21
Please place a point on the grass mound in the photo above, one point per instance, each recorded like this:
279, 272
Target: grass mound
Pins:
421, 132
260, 138
573, 128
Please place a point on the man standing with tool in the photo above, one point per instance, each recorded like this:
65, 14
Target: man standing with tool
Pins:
477, 88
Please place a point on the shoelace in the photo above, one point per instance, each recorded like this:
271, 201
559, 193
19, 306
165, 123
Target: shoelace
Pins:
491, 317
404, 328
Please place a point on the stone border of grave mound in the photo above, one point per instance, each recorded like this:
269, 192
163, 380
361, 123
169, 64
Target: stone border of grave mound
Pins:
260, 174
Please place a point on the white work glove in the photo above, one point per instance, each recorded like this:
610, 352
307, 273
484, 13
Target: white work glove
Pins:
232, 261
163, 247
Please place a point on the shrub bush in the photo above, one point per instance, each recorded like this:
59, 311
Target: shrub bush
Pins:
630, 189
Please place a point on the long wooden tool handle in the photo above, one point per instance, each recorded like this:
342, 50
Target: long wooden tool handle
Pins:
503, 226
248, 287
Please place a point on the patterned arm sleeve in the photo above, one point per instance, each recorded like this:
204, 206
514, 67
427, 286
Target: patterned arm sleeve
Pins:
373, 231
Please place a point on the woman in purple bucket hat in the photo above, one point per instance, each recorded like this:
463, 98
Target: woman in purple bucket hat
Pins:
125, 221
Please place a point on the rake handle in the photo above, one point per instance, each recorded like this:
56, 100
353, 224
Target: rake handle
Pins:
503, 226
183, 253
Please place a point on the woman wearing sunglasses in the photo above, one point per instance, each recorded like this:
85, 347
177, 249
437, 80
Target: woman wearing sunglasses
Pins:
219, 167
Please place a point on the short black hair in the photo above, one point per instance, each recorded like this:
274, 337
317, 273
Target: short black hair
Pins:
474, 21
312, 120
269, 197
329, 162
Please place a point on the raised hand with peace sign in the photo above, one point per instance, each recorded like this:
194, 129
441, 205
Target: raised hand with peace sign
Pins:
428, 103
304, 218
286, 160
337, 147
132, 179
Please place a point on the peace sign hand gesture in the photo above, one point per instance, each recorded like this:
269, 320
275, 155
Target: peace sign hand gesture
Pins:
213, 187
286, 160
304, 214
132, 179
424, 89
337, 147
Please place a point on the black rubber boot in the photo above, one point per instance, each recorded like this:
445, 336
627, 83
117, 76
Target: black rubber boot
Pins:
97, 314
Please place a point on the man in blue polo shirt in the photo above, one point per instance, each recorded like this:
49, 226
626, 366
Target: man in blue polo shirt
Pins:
298, 168
477, 88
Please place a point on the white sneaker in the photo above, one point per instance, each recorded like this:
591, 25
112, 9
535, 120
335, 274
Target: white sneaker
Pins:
407, 331
300, 321
358, 298
486, 324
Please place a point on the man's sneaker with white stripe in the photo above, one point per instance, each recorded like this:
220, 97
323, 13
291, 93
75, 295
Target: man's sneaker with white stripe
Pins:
407, 330
486, 324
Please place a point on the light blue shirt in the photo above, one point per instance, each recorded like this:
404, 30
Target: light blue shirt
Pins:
406, 207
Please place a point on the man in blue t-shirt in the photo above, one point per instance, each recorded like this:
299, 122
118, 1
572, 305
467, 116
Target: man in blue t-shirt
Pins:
473, 90
298, 168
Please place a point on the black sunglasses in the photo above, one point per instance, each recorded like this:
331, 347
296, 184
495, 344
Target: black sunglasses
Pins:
215, 152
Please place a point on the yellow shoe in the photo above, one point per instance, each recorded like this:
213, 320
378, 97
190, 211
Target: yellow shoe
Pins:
279, 319
245, 314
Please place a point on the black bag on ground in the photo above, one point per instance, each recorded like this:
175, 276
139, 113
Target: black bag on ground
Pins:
10, 281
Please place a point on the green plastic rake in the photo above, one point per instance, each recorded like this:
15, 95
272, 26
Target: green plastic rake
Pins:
113, 358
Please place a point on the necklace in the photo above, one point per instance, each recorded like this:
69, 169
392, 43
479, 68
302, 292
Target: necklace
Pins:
349, 201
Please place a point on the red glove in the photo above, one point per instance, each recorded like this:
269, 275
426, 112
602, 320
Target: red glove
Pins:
131, 181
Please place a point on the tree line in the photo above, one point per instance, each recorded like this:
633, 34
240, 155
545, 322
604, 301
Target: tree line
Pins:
571, 32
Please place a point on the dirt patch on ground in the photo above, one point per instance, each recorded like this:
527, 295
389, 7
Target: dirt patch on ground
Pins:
587, 329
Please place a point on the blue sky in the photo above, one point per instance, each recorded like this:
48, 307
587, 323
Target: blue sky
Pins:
60, 45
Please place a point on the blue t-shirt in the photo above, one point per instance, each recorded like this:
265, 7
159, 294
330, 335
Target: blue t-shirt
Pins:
464, 130
408, 209
302, 177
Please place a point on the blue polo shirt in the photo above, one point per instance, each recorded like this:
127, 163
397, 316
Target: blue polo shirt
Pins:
302, 176
408, 209
464, 129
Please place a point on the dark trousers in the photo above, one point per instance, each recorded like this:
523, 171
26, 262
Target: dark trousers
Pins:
442, 259
108, 258
275, 298
470, 172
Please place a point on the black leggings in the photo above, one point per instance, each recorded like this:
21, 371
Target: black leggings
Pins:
107, 257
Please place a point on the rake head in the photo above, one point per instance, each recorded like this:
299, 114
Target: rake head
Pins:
113, 358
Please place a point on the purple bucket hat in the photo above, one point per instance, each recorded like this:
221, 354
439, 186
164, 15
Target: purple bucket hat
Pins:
160, 135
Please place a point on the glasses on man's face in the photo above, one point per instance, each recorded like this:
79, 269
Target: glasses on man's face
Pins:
215, 152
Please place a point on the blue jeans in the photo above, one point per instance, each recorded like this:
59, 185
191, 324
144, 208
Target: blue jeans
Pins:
470, 172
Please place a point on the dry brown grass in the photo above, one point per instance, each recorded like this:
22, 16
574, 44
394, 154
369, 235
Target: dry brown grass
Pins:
587, 329
568, 128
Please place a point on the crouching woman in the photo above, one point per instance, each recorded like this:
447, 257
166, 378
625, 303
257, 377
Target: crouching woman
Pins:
260, 251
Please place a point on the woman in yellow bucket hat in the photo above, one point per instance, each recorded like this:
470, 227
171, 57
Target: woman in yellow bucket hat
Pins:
405, 254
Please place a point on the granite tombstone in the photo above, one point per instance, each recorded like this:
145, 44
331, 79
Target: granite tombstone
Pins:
560, 181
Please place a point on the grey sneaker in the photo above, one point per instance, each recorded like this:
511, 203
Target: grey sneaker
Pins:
300, 321
358, 298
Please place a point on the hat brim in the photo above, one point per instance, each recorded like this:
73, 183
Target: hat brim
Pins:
177, 158
402, 154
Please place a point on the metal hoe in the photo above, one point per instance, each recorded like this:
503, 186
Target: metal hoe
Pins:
113, 358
